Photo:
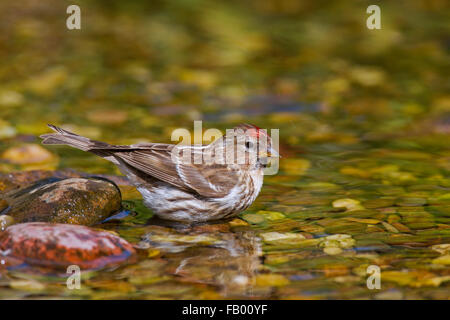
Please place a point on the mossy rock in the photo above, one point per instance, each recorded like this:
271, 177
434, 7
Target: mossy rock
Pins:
74, 201
21, 179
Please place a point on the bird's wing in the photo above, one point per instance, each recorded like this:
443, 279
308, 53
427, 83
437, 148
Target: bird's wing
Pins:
155, 159
212, 180
156, 163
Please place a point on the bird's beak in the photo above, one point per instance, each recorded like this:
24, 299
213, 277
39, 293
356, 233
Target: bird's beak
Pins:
271, 153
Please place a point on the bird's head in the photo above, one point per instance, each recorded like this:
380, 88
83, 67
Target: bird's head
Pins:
251, 146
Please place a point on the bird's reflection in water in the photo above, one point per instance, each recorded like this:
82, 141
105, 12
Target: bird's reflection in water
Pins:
211, 254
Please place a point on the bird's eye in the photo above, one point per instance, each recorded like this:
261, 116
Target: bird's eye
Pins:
248, 145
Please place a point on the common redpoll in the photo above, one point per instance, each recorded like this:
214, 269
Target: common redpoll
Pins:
191, 183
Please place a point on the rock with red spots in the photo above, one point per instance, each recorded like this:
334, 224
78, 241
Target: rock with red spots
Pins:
85, 201
57, 246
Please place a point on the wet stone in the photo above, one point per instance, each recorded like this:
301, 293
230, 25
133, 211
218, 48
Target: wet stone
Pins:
5, 221
400, 227
411, 211
253, 218
277, 237
349, 204
388, 210
445, 260
393, 218
20, 179
358, 214
75, 201
411, 202
442, 211
443, 248
389, 227
28, 154
346, 226
378, 203
420, 225
372, 228
271, 280
439, 200
57, 246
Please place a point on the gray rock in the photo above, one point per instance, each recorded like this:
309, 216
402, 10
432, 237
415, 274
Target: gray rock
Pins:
84, 201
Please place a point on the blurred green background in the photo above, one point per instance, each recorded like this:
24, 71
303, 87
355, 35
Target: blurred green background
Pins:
136, 62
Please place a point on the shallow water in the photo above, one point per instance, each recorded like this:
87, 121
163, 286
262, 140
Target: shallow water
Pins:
364, 123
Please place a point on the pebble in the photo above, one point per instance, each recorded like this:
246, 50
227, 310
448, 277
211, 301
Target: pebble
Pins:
271, 280
27, 285
253, 218
411, 202
30, 154
60, 245
271, 215
74, 200
389, 227
443, 248
349, 204
445, 260
5, 222
277, 236
378, 203
332, 250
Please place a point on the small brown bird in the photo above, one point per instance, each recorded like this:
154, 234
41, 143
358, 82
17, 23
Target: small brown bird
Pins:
175, 184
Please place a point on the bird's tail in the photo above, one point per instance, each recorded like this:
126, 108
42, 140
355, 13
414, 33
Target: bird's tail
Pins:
71, 139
